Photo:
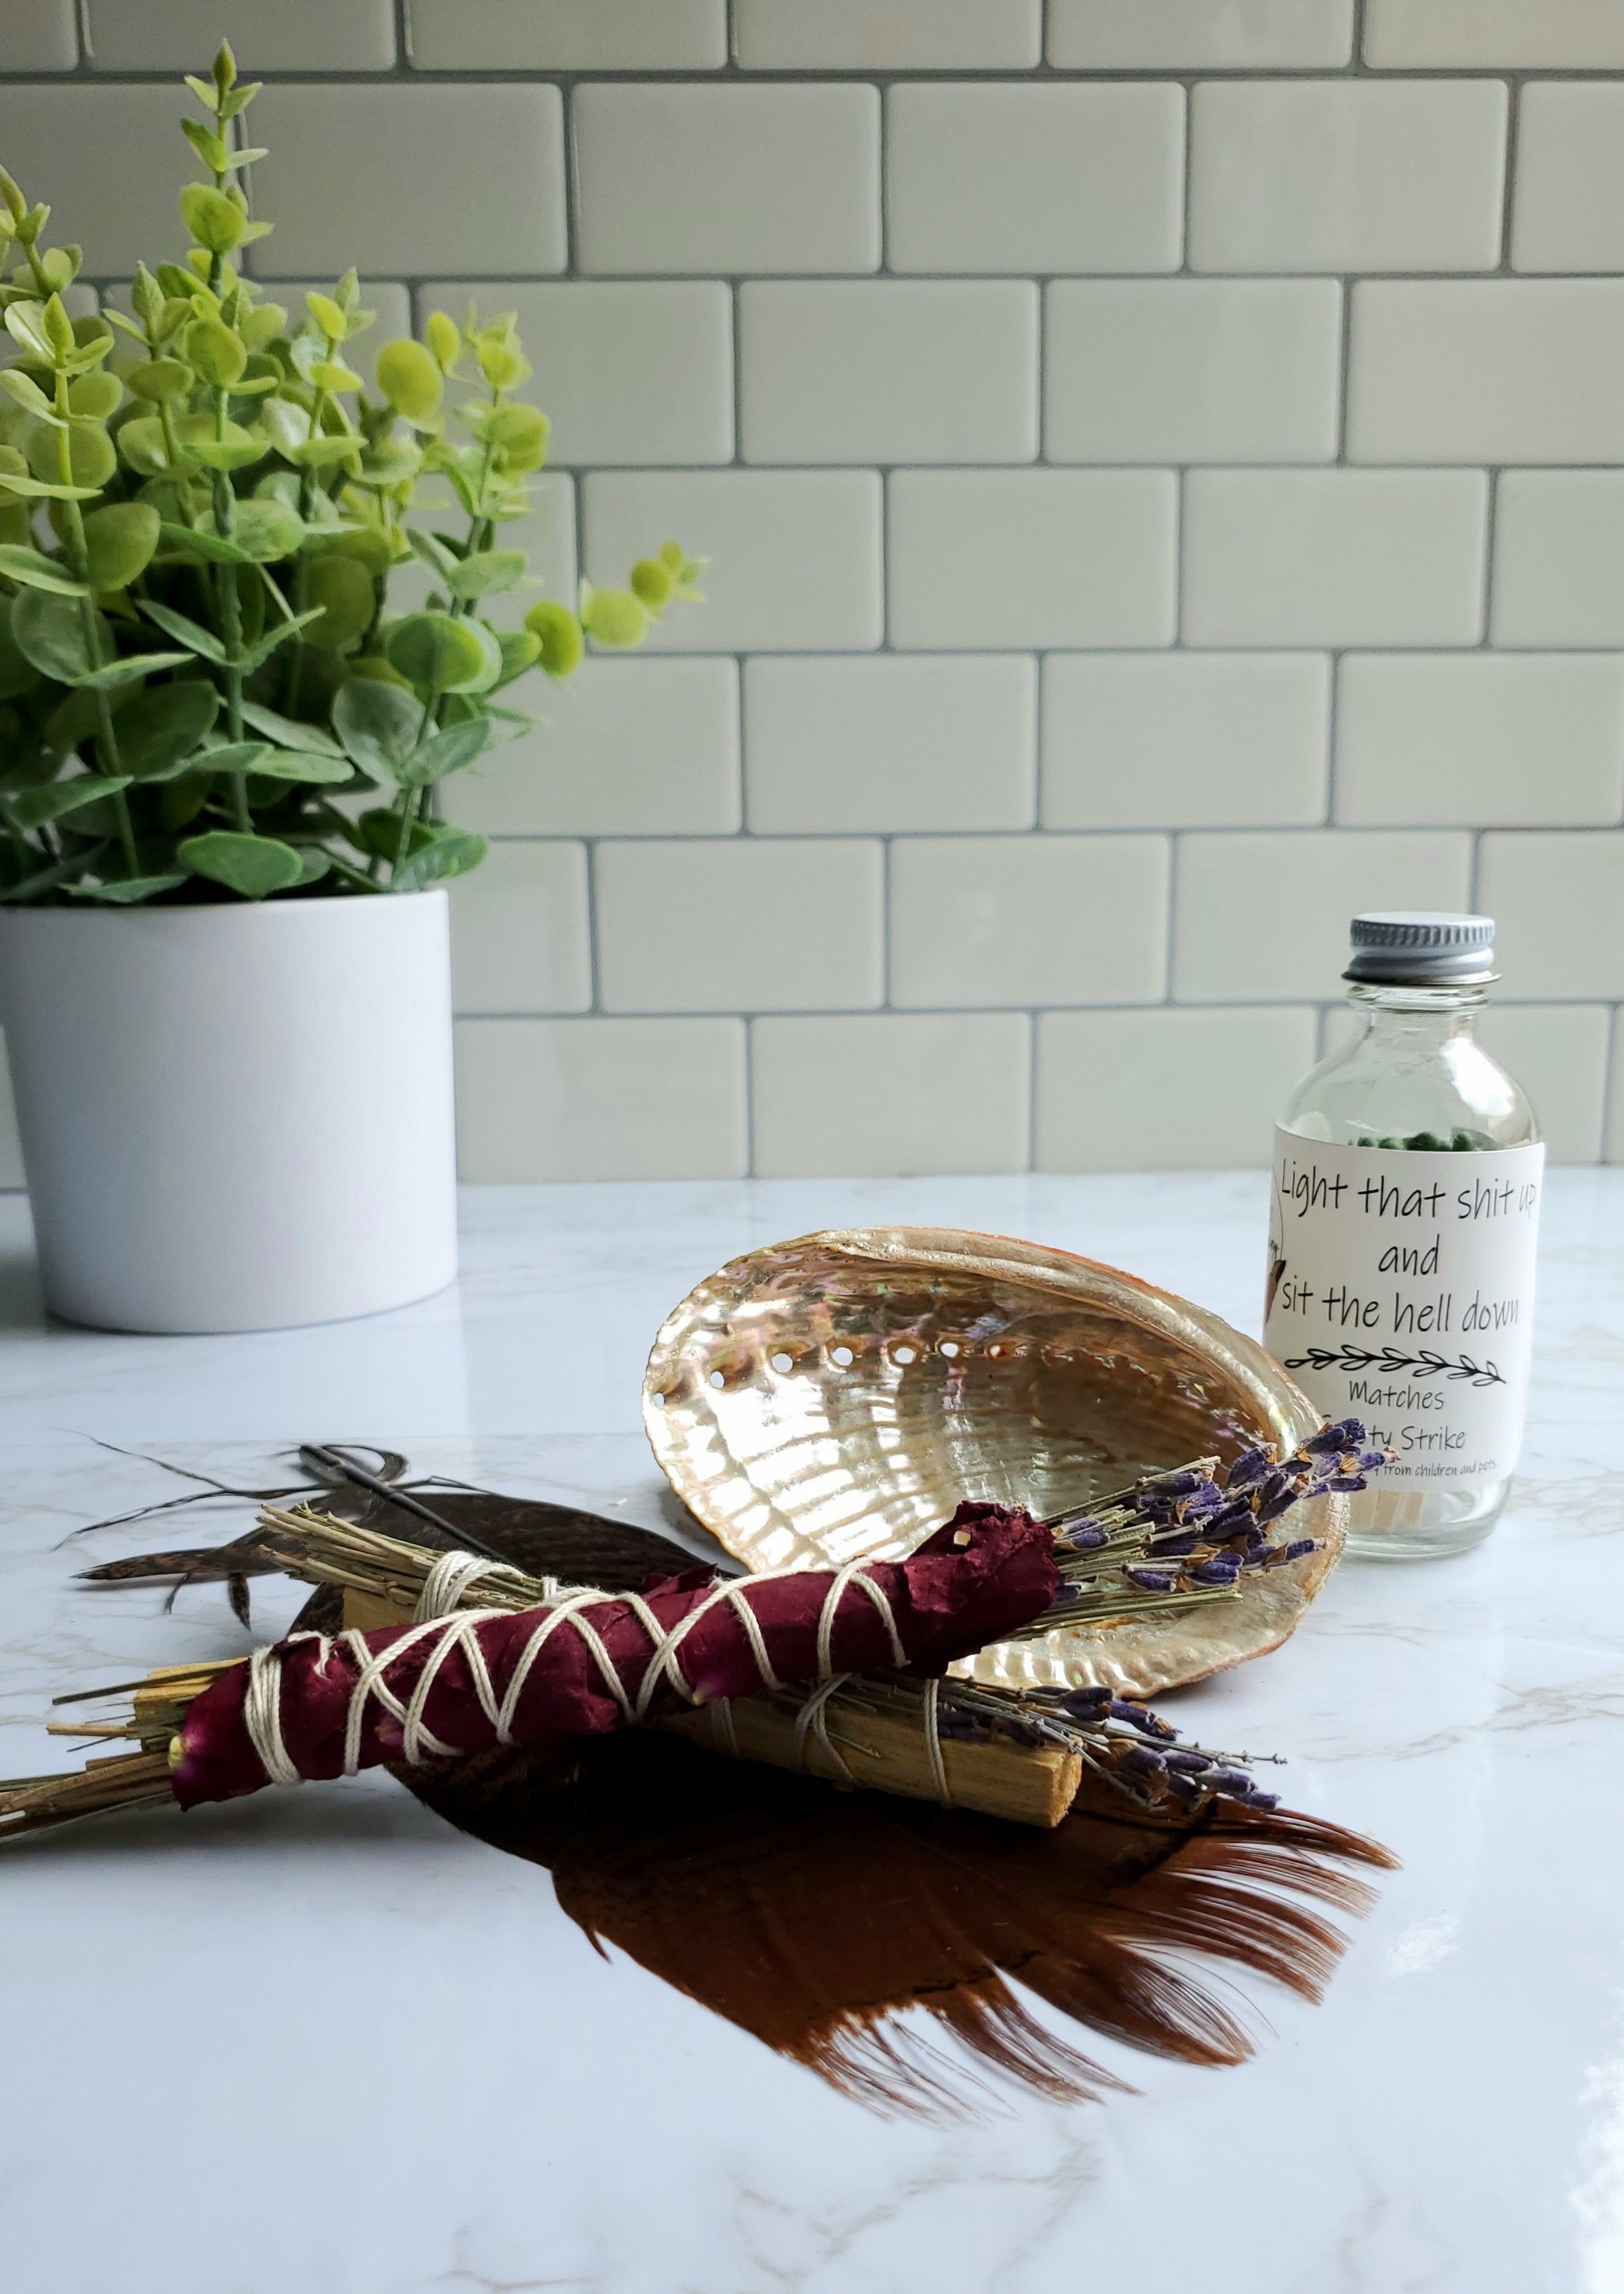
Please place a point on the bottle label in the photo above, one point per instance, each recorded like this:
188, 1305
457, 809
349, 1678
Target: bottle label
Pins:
1400, 1291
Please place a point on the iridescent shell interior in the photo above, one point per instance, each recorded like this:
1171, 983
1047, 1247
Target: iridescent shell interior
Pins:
836, 1396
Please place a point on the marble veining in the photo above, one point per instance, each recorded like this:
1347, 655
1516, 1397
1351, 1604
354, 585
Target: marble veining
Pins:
318, 2040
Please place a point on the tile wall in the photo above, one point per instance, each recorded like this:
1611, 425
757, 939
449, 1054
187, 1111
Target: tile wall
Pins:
1163, 463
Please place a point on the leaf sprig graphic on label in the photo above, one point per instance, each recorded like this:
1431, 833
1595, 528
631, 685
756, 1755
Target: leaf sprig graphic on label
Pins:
1390, 1362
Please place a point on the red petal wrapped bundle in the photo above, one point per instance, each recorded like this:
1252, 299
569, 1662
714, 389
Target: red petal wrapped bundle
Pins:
313, 1708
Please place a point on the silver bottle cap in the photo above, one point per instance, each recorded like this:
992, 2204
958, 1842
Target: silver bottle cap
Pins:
1417, 948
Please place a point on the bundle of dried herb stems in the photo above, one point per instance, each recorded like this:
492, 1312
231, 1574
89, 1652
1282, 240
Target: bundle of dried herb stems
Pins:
1173, 1541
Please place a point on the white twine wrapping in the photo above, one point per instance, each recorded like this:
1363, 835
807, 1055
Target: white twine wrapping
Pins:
439, 1616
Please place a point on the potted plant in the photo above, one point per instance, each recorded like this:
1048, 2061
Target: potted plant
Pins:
224, 944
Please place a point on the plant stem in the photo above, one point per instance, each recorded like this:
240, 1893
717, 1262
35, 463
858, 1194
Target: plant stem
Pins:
409, 797
90, 621
231, 623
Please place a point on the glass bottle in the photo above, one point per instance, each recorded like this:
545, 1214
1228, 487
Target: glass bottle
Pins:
1402, 1226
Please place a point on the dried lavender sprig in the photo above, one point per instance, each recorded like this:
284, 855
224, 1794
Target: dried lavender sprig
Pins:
1191, 1534
1135, 1748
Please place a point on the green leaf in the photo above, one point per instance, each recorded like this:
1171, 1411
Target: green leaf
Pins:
119, 541
488, 571
446, 751
451, 854
52, 879
27, 394
378, 725
343, 587
159, 730
130, 671
203, 642
439, 654
267, 529
410, 379
127, 891
186, 545
58, 798
305, 765
313, 865
214, 219
197, 434
268, 643
434, 553
253, 866
559, 635
289, 732
35, 571
232, 756
156, 380
50, 631
18, 673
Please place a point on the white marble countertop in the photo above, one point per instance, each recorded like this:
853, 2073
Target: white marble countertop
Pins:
320, 2042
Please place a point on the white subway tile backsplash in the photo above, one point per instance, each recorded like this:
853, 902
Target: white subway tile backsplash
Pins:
989, 920
889, 1095
1165, 1091
1496, 33
632, 747
1192, 370
1487, 370
43, 38
1569, 213
889, 370
181, 35
396, 178
889, 35
1350, 175
1185, 34
520, 939
1033, 440
740, 924
1558, 558
1558, 1054
985, 176
1184, 740
795, 555
630, 372
887, 742
1028, 558
1264, 918
728, 178
601, 1099
106, 160
1558, 905
1480, 740
567, 35
1333, 558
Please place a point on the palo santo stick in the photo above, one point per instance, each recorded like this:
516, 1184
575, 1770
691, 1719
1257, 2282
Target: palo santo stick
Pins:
886, 1752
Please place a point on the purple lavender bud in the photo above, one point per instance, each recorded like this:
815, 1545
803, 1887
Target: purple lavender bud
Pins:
1087, 1535
1234, 1781
1368, 1461
1347, 1482
1231, 1519
1207, 1499
1275, 1486
1087, 1703
1346, 1434
1184, 1788
1148, 1580
1248, 1468
1263, 1800
1174, 1485
1123, 1708
1223, 1569
1192, 1764
1295, 1552
1139, 1760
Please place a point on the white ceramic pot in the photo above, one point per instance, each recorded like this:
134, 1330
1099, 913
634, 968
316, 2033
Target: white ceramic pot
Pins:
234, 1118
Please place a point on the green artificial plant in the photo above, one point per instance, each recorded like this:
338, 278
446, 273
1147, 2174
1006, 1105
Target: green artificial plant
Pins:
201, 505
